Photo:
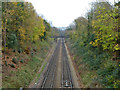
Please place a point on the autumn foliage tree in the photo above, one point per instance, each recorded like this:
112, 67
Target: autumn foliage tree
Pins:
105, 28
22, 25
95, 42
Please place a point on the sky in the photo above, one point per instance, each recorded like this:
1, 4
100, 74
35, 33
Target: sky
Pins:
61, 13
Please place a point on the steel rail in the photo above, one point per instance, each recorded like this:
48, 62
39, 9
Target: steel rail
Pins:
65, 66
50, 66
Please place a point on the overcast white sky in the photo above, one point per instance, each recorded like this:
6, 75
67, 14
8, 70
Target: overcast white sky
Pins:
61, 12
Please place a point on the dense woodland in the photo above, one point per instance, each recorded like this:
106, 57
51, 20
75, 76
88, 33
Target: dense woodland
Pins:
22, 27
95, 45
26, 42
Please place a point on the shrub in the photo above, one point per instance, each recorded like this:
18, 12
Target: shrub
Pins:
7, 57
12, 65
6, 63
14, 60
14, 50
22, 61
18, 59
20, 50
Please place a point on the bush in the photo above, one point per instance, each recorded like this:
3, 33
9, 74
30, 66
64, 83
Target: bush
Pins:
20, 50
22, 61
109, 74
6, 63
12, 65
14, 60
18, 59
7, 57
14, 50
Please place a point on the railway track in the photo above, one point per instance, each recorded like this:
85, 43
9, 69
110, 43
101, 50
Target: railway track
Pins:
67, 81
48, 81
50, 74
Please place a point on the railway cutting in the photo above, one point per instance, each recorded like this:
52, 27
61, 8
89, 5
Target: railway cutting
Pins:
52, 71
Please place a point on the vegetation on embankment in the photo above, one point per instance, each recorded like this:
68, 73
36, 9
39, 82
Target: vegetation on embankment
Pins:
24, 72
95, 46
26, 42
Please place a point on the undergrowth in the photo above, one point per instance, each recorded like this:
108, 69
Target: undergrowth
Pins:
24, 75
96, 67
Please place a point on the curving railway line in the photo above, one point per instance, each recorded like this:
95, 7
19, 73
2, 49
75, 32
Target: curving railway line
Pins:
50, 74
